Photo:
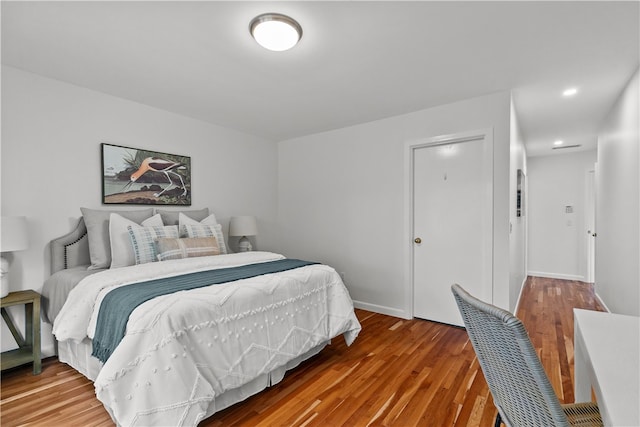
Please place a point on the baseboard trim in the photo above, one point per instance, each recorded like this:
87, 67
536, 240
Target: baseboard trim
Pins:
524, 281
389, 311
48, 350
602, 302
556, 275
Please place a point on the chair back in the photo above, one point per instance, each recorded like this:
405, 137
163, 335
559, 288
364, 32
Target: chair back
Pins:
518, 383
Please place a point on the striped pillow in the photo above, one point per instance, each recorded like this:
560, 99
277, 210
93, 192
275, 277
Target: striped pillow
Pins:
143, 240
186, 248
202, 230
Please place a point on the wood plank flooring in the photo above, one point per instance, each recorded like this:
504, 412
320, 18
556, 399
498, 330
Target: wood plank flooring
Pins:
397, 373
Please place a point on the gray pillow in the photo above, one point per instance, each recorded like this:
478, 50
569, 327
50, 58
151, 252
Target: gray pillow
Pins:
97, 223
171, 217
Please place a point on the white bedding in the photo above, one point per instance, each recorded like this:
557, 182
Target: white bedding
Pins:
184, 350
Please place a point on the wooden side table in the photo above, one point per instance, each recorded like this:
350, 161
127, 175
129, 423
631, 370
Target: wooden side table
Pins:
28, 347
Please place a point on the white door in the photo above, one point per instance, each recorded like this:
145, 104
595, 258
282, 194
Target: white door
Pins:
452, 217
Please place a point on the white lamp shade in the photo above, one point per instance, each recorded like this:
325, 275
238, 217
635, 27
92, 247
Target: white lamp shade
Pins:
243, 226
13, 234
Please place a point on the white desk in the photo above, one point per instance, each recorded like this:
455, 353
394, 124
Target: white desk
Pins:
607, 358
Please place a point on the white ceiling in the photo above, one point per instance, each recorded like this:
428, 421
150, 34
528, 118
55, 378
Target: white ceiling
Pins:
357, 61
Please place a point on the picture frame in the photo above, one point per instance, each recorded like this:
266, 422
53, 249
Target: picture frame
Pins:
134, 176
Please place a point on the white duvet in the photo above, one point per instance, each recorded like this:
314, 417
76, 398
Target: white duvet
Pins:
183, 350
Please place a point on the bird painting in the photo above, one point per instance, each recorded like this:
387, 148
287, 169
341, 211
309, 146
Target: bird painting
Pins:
157, 164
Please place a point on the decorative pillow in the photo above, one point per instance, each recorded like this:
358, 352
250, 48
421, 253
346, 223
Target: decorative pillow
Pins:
186, 247
171, 217
143, 241
208, 227
121, 250
97, 223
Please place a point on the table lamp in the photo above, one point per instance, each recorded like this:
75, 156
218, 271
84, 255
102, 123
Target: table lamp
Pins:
243, 226
13, 237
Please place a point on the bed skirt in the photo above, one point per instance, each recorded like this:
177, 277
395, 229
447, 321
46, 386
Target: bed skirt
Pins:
78, 356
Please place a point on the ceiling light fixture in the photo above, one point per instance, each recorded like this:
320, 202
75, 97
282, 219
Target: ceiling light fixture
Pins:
570, 92
275, 32
558, 142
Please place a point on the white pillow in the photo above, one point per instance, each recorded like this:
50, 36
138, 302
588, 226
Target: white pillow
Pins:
121, 250
208, 227
171, 217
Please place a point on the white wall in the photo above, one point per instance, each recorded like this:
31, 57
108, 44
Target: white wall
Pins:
617, 204
51, 135
518, 224
557, 240
335, 197
341, 198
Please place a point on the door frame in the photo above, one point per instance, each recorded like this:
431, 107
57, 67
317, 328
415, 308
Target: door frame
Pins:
409, 151
590, 223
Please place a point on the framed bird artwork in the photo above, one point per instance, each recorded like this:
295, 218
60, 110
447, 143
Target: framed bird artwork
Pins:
133, 176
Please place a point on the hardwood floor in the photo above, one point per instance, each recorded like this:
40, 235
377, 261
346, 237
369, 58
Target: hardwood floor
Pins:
397, 373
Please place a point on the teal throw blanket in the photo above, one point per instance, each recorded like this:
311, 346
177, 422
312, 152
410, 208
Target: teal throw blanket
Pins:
119, 303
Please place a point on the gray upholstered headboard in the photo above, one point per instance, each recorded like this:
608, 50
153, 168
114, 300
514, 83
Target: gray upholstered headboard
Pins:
70, 250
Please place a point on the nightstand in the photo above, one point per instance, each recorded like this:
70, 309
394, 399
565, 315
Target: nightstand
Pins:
29, 346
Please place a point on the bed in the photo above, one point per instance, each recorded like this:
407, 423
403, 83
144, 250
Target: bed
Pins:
190, 351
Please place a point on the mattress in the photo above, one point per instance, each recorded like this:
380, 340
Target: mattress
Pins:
57, 287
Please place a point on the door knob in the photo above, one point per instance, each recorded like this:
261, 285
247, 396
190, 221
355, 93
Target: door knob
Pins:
417, 240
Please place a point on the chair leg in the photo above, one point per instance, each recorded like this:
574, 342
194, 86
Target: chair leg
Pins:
498, 420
